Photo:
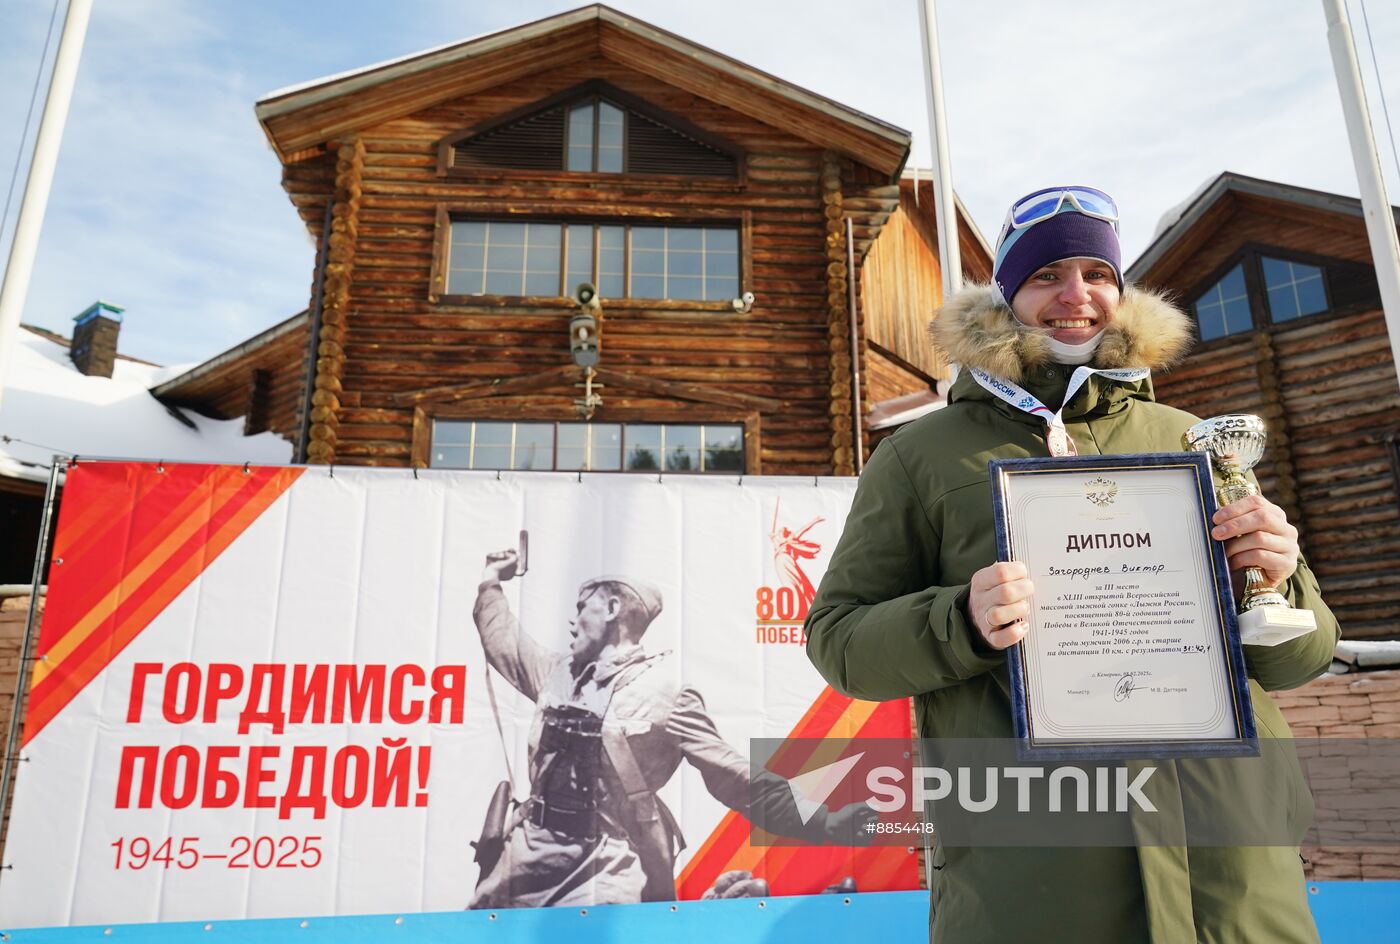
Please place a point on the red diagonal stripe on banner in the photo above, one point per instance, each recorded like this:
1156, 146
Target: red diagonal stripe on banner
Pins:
888, 868
92, 520
732, 832
139, 509
180, 537
808, 868
799, 870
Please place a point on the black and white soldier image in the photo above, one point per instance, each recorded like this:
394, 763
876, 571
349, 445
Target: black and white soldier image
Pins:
611, 725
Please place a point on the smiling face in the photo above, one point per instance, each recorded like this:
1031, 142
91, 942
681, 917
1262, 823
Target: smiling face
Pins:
1074, 298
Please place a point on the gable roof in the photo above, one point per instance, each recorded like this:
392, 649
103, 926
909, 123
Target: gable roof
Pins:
306, 116
1194, 217
196, 382
973, 246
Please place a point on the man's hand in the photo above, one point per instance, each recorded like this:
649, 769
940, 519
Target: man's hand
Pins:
1256, 533
999, 602
736, 884
846, 826
501, 565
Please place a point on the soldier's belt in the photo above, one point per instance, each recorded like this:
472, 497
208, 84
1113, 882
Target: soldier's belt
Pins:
581, 824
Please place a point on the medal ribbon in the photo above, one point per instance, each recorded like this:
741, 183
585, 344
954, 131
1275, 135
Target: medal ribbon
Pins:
1056, 436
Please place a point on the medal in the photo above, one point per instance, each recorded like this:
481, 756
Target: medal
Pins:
1057, 438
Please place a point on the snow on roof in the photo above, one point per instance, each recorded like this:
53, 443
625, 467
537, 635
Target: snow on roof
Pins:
49, 407
905, 409
1169, 218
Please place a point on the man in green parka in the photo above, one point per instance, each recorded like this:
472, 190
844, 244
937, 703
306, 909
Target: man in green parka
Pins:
914, 602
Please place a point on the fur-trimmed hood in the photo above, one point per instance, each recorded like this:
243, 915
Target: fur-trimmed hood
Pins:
977, 329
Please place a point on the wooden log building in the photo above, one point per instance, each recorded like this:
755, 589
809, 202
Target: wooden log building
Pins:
1290, 327
458, 196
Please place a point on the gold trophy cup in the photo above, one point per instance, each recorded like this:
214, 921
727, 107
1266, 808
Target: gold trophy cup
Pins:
1235, 443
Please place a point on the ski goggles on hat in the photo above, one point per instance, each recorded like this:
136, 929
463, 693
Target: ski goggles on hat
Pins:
1040, 206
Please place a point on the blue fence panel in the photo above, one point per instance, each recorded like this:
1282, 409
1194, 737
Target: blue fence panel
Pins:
1345, 911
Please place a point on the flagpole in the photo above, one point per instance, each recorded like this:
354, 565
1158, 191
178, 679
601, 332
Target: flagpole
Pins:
1375, 204
39, 180
945, 210
949, 258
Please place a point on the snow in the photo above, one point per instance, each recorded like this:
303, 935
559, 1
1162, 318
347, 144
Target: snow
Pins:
905, 409
51, 407
1169, 218
1368, 653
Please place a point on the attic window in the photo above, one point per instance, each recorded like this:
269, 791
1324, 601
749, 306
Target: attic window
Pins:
1294, 289
595, 137
593, 129
1263, 287
1224, 308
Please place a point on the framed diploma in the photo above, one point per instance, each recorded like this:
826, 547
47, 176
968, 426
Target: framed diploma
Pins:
1132, 649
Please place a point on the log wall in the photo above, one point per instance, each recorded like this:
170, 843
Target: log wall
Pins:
1327, 386
888, 377
397, 340
902, 287
266, 386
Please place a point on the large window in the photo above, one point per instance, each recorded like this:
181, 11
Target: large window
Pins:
588, 447
690, 263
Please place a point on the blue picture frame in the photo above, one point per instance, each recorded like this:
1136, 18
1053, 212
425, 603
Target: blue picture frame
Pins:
1245, 742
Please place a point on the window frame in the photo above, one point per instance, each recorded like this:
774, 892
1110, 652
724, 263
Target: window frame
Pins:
598, 89
1264, 286
1249, 297
573, 213
594, 101
694, 414
1250, 256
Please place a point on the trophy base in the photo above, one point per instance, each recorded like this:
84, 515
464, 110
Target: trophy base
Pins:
1271, 625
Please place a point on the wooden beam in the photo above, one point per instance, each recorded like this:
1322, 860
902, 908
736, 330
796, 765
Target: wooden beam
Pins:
17, 486
302, 118
701, 393
499, 387
320, 121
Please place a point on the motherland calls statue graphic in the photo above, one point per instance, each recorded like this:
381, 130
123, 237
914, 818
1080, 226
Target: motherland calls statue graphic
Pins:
789, 550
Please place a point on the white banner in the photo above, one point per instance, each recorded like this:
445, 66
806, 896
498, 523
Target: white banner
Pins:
263, 692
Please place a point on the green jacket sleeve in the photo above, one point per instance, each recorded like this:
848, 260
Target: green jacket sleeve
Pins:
1300, 660
881, 626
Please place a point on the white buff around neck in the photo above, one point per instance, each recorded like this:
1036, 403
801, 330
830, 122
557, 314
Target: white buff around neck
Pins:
1075, 354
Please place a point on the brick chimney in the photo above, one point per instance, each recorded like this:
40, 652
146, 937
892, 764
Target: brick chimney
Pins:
94, 345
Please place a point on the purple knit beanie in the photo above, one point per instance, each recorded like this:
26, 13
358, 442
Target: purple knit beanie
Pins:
1068, 234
